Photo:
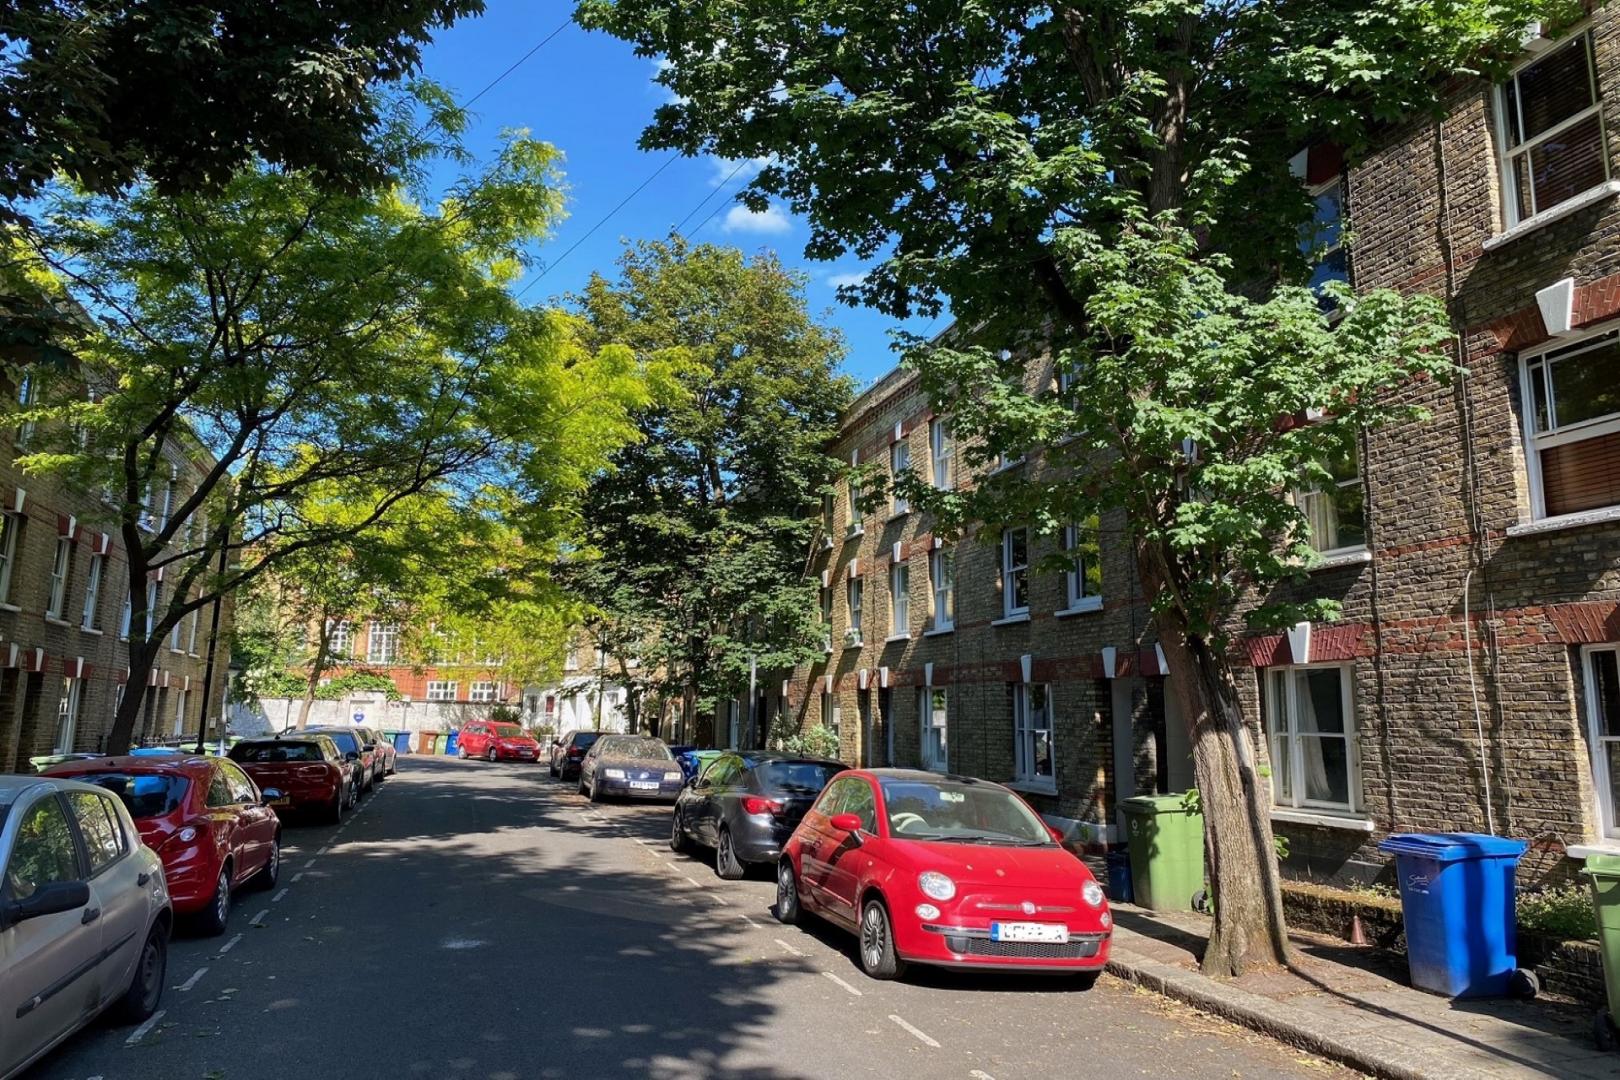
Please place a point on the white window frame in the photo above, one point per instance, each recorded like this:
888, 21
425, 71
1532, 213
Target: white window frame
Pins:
856, 525
483, 691
180, 712
1505, 154
61, 566
1025, 732
27, 392
1303, 497
1010, 609
174, 635
855, 597
191, 633
899, 465
942, 587
832, 717
339, 638
92, 591
1296, 759
942, 454
67, 714
826, 601
10, 526
1608, 815
441, 690
1075, 596
1581, 431
168, 499
933, 720
382, 644
127, 617
900, 600
154, 591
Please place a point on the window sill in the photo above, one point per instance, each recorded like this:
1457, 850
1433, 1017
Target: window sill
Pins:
896, 637
898, 515
940, 631
1350, 557
1007, 466
1559, 523
853, 534
177, 652
1033, 787
1084, 606
57, 620
10, 607
1583, 851
91, 630
1012, 620
1591, 196
848, 645
1325, 818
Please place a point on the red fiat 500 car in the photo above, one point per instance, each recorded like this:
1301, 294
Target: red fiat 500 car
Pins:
495, 741
943, 870
204, 817
309, 772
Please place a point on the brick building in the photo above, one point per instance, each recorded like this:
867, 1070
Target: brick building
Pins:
1474, 679
64, 616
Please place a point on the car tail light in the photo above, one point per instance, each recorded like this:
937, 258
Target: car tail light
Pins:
753, 804
575, 755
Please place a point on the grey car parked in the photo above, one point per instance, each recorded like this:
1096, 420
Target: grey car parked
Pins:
84, 915
746, 805
629, 766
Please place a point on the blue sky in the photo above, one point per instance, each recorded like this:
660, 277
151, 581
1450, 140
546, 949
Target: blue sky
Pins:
590, 96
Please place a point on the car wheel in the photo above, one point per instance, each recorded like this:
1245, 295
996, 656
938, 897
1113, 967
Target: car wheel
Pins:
594, 795
461, 752
551, 769
878, 957
354, 792
726, 863
493, 757
677, 834
267, 877
145, 990
582, 783
212, 919
340, 802
787, 908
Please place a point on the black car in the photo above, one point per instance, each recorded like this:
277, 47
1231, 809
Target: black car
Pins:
362, 758
632, 766
568, 751
746, 805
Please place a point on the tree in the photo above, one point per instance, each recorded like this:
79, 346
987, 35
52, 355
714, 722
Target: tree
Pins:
316, 349
1104, 184
695, 540
185, 94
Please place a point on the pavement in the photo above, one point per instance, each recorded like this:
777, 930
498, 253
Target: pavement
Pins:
483, 922
1352, 1005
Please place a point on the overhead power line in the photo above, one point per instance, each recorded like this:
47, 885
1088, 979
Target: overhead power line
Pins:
605, 218
718, 188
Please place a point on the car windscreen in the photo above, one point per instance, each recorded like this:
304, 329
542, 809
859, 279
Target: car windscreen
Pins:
346, 742
796, 777
276, 751
965, 813
508, 731
145, 795
626, 746
586, 739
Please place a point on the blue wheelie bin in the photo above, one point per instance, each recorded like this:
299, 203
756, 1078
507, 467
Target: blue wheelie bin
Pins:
1457, 898
452, 744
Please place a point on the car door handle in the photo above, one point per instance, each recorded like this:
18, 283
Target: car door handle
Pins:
90, 915
142, 879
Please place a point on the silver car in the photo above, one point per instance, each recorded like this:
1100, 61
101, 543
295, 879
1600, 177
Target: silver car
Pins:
84, 915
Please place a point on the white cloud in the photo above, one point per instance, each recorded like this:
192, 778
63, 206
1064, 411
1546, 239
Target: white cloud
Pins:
726, 170
773, 220
659, 66
838, 281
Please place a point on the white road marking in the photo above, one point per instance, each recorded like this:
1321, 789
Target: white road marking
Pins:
189, 983
921, 1037
141, 1032
229, 945
309, 864
692, 881
258, 920
748, 920
788, 947
842, 983
720, 898
980, 1074
297, 876
324, 850
276, 899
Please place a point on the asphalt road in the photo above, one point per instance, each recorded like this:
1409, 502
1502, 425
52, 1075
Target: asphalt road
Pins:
482, 922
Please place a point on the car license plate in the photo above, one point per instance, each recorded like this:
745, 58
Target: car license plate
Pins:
280, 802
1055, 933
644, 785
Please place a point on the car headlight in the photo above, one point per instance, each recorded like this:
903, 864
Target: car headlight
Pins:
672, 776
613, 774
1092, 894
935, 885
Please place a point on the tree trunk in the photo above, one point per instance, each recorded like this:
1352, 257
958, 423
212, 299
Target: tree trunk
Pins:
317, 667
1241, 860
129, 709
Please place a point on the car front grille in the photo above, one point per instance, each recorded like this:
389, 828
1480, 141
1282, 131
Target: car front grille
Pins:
1078, 949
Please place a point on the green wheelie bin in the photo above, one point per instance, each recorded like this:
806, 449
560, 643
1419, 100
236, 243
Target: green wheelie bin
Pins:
1166, 844
1604, 873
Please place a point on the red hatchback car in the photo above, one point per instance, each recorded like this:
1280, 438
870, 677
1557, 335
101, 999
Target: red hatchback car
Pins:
942, 870
495, 741
205, 818
309, 772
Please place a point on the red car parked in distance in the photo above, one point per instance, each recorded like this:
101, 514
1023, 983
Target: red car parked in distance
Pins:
943, 870
496, 741
309, 772
205, 818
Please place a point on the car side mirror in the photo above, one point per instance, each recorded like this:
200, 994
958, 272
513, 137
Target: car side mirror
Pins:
850, 823
352, 755
270, 794
50, 899
1055, 833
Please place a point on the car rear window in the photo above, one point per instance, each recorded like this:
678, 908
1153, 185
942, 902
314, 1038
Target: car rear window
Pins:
586, 738
632, 747
276, 751
346, 742
797, 777
508, 731
145, 795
